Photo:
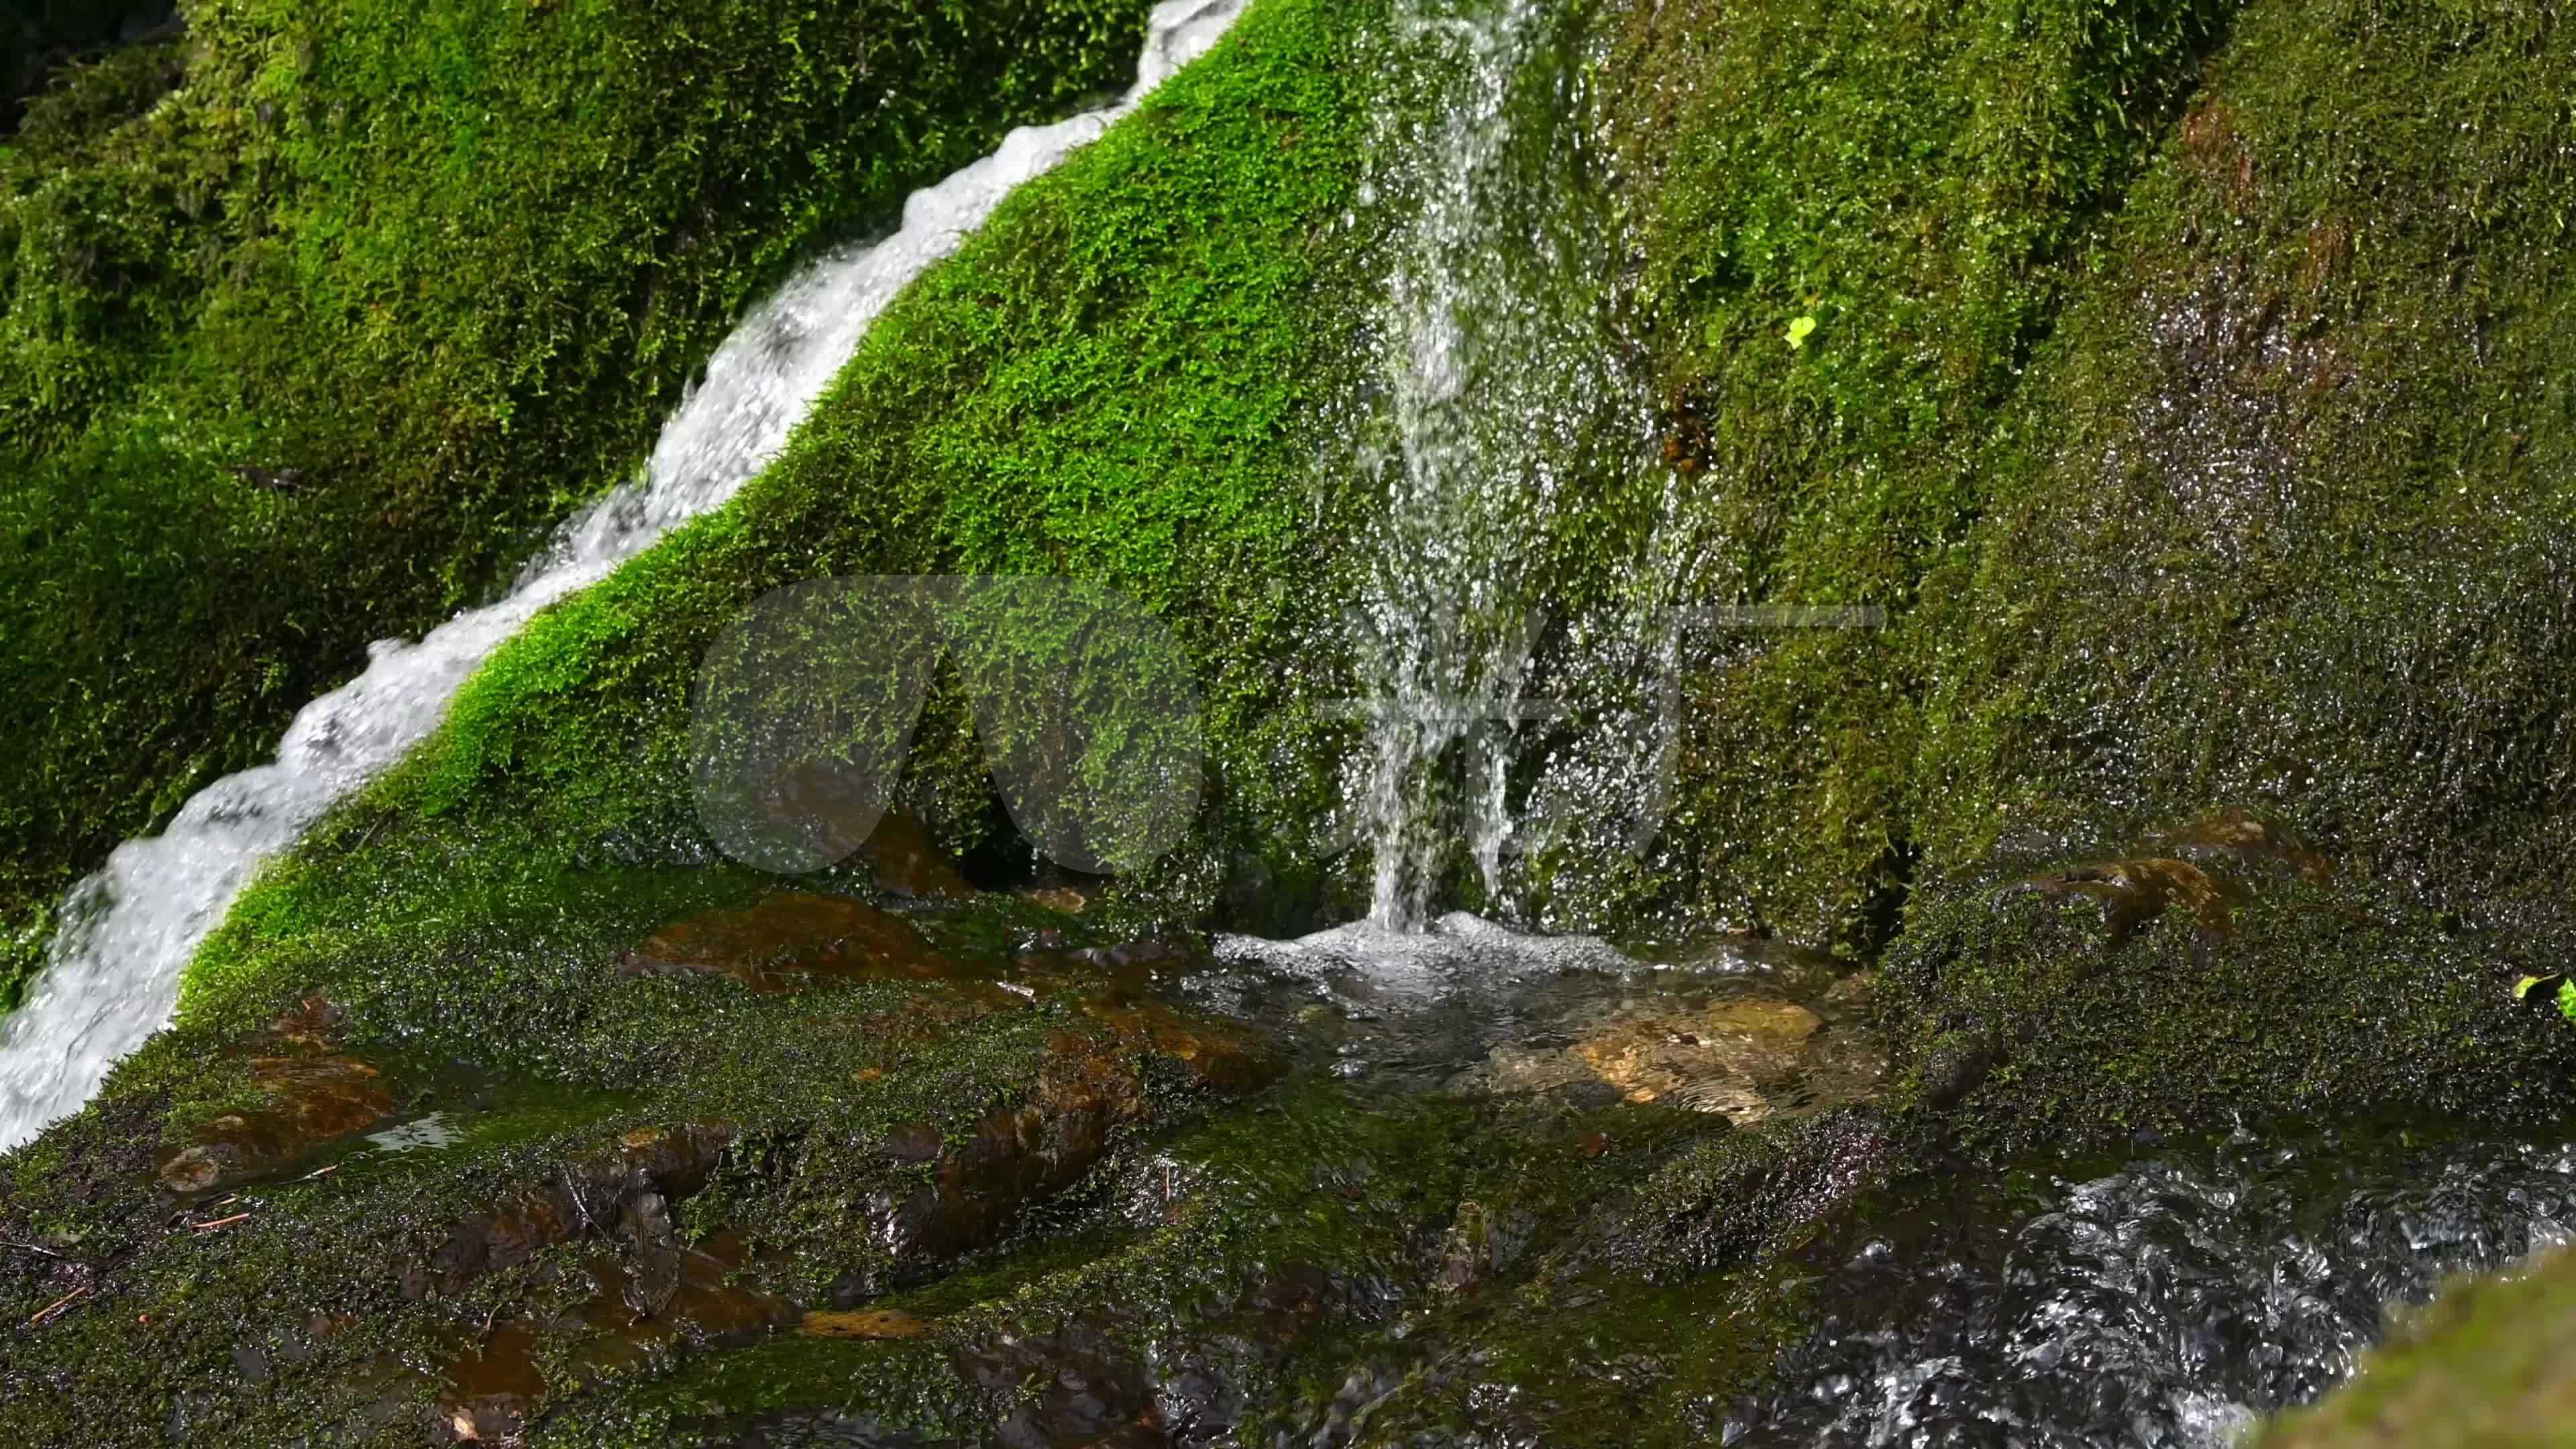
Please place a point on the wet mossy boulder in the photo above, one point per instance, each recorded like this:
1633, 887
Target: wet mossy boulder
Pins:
864, 1171
2088, 1002
213, 1249
1328, 1264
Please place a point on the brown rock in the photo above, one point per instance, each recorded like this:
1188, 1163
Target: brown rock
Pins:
909, 863
583, 1200
863, 1323
2251, 844
2135, 892
308, 1101
1649, 1061
495, 1385
792, 941
1779, 1023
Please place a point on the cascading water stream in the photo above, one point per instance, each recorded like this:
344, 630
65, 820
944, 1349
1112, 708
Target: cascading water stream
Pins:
113, 971
1494, 372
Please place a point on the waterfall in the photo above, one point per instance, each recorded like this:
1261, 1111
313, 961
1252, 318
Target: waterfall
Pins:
112, 974
1495, 376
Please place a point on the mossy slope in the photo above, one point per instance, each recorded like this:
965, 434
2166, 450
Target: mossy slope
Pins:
311, 321
2280, 517
1111, 379
1856, 223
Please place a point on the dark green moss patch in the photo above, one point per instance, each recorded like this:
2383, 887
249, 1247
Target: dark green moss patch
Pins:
2027, 1007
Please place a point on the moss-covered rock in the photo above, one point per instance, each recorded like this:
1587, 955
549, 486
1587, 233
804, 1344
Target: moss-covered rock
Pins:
2276, 517
312, 320
2082, 1004
745, 1156
1855, 226
1168, 302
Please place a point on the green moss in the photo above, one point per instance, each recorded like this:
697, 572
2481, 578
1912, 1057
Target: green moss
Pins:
1109, 380
2317, 1002
1927, 183
1329, 1258
2276, 518
446, 267
2484, 1364
810, 1085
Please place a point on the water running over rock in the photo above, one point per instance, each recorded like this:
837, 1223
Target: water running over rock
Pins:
128, 931
1496, 378
2165, 1303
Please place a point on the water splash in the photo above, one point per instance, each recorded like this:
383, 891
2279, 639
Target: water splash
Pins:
2171, 1302
1494, 375
112, 974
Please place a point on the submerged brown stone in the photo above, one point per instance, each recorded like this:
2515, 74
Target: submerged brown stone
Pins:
2135, 892
909, 863
1067, 899
865, 1323
497, 1382
981, 1178
792, 941
1221, 1057
2231, 838
311, 1095
1745, 1058
624, 1190
310, 1101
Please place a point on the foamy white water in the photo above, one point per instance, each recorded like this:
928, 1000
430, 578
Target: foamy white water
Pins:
112, 976
1426, 960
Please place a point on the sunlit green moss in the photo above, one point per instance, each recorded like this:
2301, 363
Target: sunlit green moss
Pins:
309, 324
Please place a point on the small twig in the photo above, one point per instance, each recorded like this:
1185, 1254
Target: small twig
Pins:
319, 1172
46, 1314
220, 1223
28, 1248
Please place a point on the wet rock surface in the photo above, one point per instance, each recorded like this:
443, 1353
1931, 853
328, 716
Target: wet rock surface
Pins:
1746, 1057
1485, 1189
307, 1102
2155, 993
791, 941
909, 863
306, 1095
2132, 893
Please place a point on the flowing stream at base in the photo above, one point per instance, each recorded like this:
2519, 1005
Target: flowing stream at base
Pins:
2166, 1302
2167, 1297
112, 975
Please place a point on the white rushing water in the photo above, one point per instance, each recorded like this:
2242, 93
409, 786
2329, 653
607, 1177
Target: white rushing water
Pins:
1497, 383
112, 977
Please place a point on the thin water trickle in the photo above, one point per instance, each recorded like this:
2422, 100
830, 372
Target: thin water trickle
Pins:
1469, 358
112, 975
